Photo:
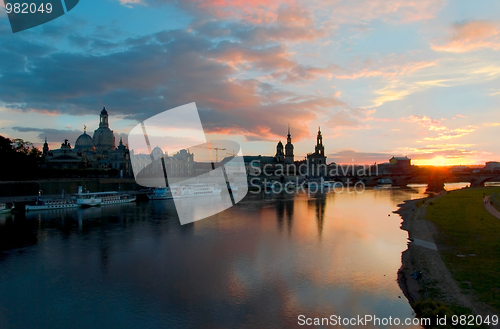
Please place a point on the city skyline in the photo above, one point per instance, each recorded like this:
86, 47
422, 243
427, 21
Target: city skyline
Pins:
399, 79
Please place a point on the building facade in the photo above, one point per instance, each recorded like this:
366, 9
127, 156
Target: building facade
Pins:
317, 160
97, 152
181, 164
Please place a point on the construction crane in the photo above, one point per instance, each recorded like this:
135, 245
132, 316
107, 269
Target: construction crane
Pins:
217, 153
217, 149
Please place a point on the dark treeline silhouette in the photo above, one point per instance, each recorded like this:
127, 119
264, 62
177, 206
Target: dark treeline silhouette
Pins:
19, 159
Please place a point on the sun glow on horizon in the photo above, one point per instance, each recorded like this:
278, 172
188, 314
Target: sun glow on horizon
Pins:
440, 161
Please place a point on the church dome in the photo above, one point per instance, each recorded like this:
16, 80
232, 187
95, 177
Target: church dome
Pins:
84, 142
104, 139
157, 153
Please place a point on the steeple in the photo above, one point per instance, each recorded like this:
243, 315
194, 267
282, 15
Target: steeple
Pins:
104, 118
121, 146
289, 147
45, 147
319, 138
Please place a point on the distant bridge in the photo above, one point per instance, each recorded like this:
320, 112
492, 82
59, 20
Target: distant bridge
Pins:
476, 180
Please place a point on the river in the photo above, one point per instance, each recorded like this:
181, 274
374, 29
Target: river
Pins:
259, 264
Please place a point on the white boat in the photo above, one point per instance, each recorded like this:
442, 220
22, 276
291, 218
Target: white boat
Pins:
91, 199
160, 193
330, 183
312, 184
4, 209
194, 190
384, 181
232, 188
51, 204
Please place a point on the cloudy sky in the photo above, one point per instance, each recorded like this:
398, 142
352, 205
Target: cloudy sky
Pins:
381, 77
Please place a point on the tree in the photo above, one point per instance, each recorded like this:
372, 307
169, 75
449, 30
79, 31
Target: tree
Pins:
19, 159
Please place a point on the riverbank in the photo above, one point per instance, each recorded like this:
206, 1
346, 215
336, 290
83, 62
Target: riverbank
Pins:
443, 259
20, 189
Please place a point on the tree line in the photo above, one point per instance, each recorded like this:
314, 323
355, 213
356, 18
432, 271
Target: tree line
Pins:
19, 159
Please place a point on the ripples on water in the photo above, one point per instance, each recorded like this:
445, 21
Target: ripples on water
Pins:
259, 264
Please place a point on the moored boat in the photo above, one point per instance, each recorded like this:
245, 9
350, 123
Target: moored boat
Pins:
5, 209
51, 204
330, 183
384, 181
91, 199
160, 193
195, 190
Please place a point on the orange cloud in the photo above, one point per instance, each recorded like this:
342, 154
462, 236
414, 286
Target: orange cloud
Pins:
452, 133
358, 11
386, 68
470, 36
425, 121
444, 133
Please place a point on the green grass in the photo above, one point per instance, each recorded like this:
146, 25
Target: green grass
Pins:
465, 227
431, 309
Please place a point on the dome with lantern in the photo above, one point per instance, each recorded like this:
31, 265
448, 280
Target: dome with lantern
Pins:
84, 142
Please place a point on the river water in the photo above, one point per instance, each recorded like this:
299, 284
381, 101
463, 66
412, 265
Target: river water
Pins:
260, 264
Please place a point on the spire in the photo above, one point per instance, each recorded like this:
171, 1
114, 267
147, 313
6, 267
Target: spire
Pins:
45, 147
289, 131
104, 118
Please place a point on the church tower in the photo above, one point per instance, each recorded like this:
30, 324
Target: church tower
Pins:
317, 160
289, 147
280, 156
104, 139
320, 149
45, 147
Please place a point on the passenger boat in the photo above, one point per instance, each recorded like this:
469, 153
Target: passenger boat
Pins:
160, 193
50, 204
91, 199
275, 186
195, 190
330, 183
384, 181
4, 209
232, 188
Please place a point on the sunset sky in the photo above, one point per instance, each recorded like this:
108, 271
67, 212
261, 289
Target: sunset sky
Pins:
381, 77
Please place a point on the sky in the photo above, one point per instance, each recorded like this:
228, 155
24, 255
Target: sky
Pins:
382, 78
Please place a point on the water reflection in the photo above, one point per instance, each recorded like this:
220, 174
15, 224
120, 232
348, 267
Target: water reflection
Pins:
258, 264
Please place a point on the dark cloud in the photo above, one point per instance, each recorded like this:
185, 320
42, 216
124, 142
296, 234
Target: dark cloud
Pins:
140, 77
52, 135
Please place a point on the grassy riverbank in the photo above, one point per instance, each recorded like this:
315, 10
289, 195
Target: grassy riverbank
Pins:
468, 240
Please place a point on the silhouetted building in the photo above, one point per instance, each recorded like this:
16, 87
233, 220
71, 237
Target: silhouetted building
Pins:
492, 166
92, 152
280, 155
180, 164
317, 160
289, 148
64, 158
400, 165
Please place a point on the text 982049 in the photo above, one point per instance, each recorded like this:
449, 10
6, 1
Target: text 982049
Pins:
28, 8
